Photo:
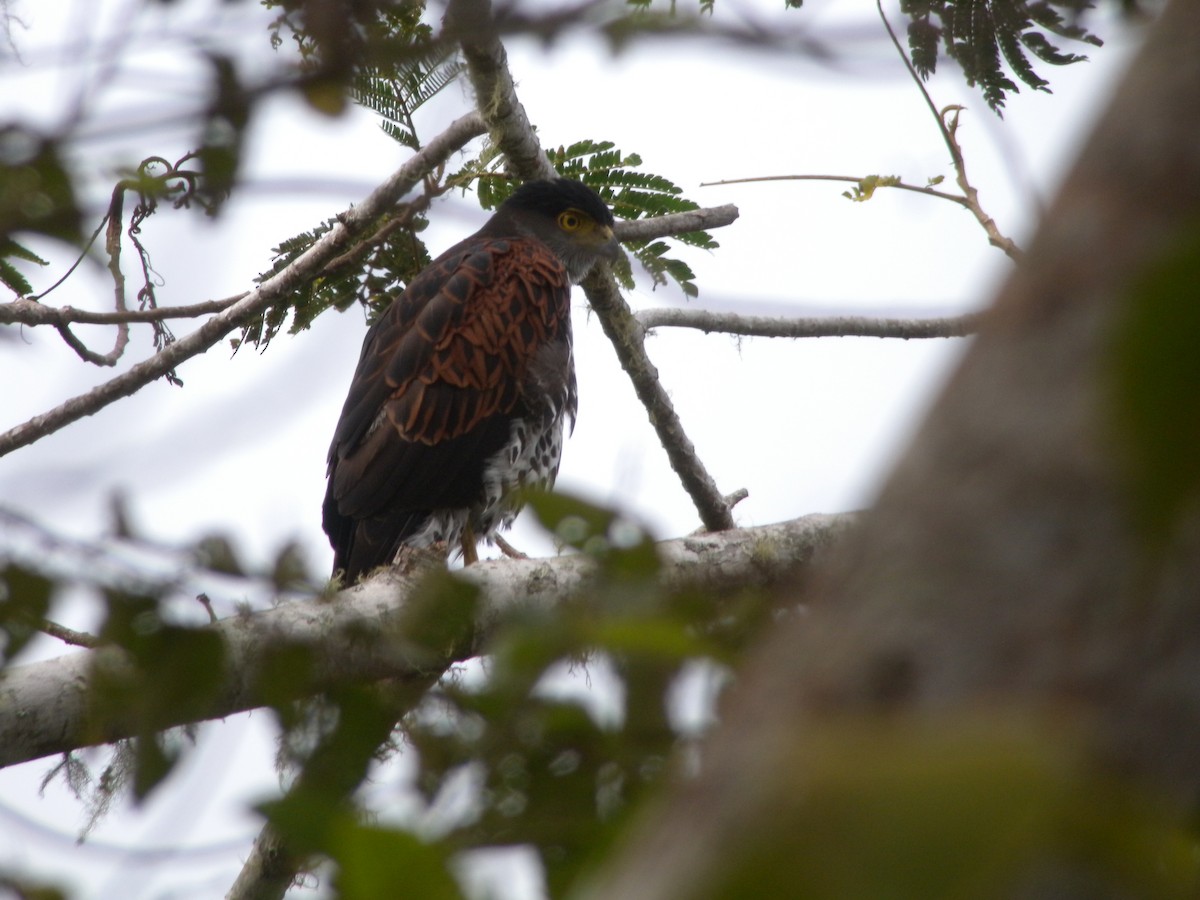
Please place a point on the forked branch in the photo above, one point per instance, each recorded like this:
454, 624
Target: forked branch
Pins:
271, 291
947, 123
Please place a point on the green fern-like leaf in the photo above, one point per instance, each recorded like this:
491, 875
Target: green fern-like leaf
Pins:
988, 39
1010, 46
373, 280
1037, 44
14, 280
10, 276
1048, 17
485, 173
923, 37
662, 268
397, 94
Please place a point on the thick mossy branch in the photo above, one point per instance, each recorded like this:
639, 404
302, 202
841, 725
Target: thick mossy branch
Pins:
44, 707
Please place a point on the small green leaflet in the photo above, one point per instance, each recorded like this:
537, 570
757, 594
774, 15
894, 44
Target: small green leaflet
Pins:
10, 277
865, 189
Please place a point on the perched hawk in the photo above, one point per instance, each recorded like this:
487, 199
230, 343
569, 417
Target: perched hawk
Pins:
464, 384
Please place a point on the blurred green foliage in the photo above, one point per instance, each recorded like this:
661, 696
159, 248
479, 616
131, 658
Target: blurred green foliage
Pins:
1155, 389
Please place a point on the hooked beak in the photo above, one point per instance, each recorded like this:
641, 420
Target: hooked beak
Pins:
611, 248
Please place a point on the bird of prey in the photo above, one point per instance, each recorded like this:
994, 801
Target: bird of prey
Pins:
464, 384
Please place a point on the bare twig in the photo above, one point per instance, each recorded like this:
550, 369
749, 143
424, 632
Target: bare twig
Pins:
252, 304
899, 185
947, 121
404, 220
823, 326
112, 246
44, 705
732, 500
32, 313
948, 131
75, 265
68, 635
509, 127
628, 339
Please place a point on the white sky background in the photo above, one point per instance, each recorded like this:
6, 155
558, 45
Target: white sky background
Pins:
805, 426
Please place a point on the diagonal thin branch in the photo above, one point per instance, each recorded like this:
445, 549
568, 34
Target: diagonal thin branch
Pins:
270, 291
33, 313
472, 23
628, 339
268, 871
68, 635
809, 327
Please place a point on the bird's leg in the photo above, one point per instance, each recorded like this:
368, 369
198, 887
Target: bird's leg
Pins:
470, 555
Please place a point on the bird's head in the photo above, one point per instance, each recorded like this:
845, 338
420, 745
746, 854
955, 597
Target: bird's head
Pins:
568, 216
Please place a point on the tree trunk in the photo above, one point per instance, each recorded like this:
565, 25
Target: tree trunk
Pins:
1003, 568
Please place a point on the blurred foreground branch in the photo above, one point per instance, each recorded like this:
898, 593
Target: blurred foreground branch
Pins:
350, 223
1029, 575
44, 706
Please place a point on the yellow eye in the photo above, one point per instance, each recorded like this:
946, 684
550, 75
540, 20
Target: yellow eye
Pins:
570, 220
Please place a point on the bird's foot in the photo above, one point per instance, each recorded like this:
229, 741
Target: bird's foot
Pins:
508, 549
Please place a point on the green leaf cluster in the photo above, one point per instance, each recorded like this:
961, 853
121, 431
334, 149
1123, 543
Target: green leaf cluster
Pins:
401, 66
22, 888
385, 263
380, 55
912, 808
552, 775
153, 669
10, 276
865, 189
983, 36
24, 602
223, 133
396, 95
170, 673
1155, 389
37, 190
